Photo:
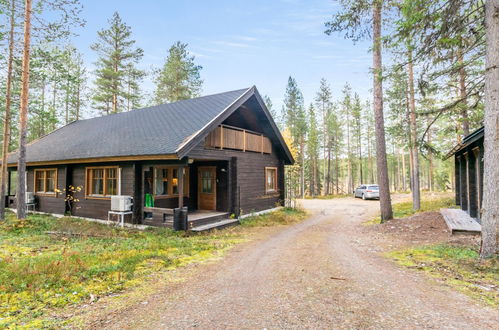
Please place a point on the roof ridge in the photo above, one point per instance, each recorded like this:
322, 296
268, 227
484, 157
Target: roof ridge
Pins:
158, 105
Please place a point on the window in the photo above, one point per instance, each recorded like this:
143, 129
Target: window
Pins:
102, 181
166, 181
45, 180
207, 181
161, 181
270, 179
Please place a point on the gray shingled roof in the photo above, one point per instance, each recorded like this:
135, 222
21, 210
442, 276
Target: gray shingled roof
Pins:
157, 130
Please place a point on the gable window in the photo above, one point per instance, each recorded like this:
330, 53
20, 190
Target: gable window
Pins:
270, 179
45, 180
102, 181
166, 181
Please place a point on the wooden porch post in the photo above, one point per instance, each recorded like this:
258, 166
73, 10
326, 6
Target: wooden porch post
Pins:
181, 170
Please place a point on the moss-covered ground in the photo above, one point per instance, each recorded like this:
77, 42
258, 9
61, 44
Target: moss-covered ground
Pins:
47, 263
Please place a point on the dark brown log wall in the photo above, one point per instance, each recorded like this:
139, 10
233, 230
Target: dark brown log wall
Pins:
249, 189
97, 208
49, 203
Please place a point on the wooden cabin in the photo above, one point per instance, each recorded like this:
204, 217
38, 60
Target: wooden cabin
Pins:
468, 157
219, 155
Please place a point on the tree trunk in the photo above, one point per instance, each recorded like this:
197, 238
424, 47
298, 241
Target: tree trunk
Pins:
349, 161
382, 167
6, 120
302, 170
463, 93
490, 205
23, 117
404, 172
416, 197
328, 176
337, 166
430, 163
360, 157
370, 169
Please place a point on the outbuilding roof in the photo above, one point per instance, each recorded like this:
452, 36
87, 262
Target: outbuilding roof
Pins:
467, 140
162, 130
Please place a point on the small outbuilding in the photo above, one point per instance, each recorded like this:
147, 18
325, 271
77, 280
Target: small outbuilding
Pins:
468, 157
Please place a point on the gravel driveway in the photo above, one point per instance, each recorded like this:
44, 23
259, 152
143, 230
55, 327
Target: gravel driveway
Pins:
318, 274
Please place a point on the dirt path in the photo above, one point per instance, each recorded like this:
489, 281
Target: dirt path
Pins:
320, 273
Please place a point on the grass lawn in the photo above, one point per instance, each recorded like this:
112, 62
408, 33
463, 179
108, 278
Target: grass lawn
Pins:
457, 266
428, 203
41, 272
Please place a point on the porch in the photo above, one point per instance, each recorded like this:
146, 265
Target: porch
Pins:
200, 186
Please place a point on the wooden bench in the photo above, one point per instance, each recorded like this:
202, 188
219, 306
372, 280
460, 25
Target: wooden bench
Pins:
459, 221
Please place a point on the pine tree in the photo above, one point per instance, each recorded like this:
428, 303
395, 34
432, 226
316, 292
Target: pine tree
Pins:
23, 122
275, 116
346, 104
7, 113
296, 121
357, 133
313, 151
491, 155
323, 103
361, 19
179, 79
118, 56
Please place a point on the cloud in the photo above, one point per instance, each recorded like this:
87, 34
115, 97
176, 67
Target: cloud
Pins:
246, 38
232, 44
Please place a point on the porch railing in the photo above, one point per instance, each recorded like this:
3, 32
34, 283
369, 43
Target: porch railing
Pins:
229, 137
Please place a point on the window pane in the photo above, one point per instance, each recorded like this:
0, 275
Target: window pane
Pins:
13, 183
270, 179
50, 181
175, 181
206, 181
111, 181
39, 181
161, 181
98, 182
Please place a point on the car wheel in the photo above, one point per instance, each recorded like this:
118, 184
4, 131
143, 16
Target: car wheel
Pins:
363, 197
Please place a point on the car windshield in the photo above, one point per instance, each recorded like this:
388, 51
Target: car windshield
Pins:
373, 187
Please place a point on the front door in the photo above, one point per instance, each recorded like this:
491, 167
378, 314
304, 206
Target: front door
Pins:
207, 188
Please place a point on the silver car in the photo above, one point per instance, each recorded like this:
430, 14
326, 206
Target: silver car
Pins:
367, 191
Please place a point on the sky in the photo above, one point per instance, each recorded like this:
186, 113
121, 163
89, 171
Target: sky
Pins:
240, 43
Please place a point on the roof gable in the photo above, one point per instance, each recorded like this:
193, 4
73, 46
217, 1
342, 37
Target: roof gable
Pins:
251, 96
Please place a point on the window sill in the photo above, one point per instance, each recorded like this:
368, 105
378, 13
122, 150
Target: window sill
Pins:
46, 194
98, 197
271, 192
167, 196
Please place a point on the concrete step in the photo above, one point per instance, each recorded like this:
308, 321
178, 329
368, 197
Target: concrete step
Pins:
216, 225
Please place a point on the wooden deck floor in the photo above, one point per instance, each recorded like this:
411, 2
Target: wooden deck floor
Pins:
201, 214
459, 221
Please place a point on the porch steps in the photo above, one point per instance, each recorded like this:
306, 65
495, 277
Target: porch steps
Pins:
200, 219
216, 225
